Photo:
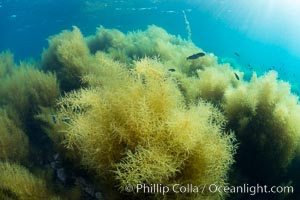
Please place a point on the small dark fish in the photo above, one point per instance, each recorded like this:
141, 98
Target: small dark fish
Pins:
53, 119
195, 56
235, 53
171, 70
236, 76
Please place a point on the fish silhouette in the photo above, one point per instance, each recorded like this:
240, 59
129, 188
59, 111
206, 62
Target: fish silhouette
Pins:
195, 56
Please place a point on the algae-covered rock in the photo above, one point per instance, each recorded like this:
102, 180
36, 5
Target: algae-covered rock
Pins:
14, 145
16, 182
265, 116
142, 132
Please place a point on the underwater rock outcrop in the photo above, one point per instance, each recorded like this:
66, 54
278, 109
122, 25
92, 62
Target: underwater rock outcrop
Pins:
6, 63
140, 131
153, 42
67, 56
25, 89
133, 110
16, 182
265, 116
14, 143
196, 80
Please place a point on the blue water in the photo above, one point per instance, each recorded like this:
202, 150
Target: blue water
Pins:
263, 33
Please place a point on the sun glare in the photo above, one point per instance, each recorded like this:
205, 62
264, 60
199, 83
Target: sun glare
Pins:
269, 21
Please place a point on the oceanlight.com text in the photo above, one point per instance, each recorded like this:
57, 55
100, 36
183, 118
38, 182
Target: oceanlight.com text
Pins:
208, 188
250, 189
